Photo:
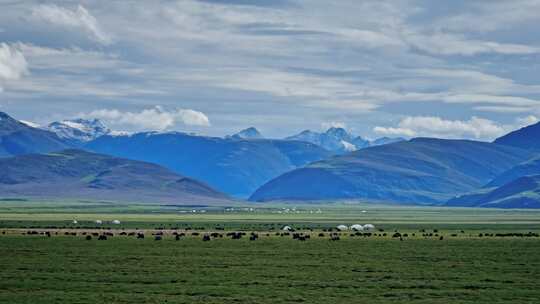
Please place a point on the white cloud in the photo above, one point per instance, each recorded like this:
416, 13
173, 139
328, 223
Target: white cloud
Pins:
340, 61
432, 126
390, 131
526, 121
78, 18
506, 109
333, 124
13, 64
489, 16
452, 44
69, 59
155, 118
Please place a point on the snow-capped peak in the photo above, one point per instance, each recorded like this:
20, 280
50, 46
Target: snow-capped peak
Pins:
339, 133
79, 129
339, 140
249, 133
29, 123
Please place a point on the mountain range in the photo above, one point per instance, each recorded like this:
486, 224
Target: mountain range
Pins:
17, 138
309, 166
422, 170
234, 166
526, 138
518, 187
78, 131
338, 140
335, 140
76, 174
523, 192
249, 133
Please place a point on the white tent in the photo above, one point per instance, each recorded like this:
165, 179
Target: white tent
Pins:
99, 222
357, 227
116, 222
74, 222
369, 227
287, 228
342, 227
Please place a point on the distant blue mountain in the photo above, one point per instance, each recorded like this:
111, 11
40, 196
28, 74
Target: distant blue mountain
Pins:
17, 138
526, 138
527, 168
78, 131
523, 192
517, 187
339, 141
385, 141
249, 133
422, 170
76, 174
233, 166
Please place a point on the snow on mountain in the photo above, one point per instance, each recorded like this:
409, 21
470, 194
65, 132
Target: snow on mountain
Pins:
334, 139
338, 140
249, 133
81, 130
30, 124
347, 146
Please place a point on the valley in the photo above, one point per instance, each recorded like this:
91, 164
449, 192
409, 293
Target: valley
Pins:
444, 252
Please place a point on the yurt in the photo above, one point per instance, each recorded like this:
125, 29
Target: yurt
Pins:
369, 227
342, 227
357, 227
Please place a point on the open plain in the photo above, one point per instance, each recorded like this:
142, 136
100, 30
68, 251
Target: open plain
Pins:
414, 254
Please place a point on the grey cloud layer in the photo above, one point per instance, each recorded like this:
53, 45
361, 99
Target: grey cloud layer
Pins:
349, 62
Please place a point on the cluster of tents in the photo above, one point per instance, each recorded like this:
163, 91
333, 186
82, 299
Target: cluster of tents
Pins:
355, 227
98, 222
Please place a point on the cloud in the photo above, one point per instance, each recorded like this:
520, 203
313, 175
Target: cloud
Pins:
78, 18
433, 126
526, 121
491, 16
155, 118
506, 109
452, 44
13, 64
390, 131
333, 124
378, 61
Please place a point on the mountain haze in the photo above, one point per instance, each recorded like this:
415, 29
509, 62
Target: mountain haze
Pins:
236, 167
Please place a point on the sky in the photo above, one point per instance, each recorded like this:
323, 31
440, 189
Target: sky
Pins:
450, 69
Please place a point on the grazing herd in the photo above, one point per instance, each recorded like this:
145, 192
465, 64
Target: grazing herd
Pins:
332, 234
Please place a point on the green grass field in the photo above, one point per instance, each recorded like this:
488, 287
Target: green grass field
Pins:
461, 268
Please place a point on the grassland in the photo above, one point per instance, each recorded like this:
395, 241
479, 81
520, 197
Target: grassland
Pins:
460, 268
